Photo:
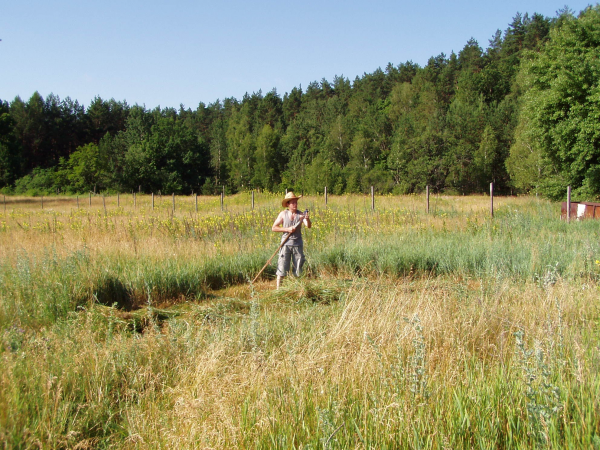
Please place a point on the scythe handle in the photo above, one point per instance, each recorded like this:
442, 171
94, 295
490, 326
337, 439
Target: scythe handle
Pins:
273, 255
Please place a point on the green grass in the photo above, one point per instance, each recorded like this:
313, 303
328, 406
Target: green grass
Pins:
302, 371
516, 244
409, 331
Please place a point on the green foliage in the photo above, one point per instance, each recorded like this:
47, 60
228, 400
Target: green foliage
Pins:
559, 131
521, 113
82, 171
38, 182
9, 148
240, 148
268, 160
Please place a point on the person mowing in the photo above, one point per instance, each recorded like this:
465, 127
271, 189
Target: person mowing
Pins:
289, 222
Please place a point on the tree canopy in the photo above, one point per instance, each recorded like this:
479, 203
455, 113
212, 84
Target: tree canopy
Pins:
558, 138
522, 113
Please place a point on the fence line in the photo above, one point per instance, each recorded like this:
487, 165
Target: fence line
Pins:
252, 202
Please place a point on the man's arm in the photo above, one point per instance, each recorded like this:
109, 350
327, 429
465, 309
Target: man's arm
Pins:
307, 222
277, 225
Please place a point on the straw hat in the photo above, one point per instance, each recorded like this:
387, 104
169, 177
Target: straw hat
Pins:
289, 196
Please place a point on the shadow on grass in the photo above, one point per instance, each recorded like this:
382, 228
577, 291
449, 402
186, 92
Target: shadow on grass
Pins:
111, 291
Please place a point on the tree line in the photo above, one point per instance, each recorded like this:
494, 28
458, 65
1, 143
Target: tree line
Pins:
523, 113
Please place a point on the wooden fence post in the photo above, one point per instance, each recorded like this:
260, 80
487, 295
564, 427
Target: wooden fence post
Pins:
90, 198
325, 195
372, 198
492, 200
568, 204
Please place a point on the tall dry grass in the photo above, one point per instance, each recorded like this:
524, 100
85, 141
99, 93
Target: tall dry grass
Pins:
428, 363
447, 330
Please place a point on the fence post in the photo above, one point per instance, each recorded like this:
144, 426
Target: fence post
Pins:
492, 200
427, 195
372, 198
325, 195
118, 201
568, 204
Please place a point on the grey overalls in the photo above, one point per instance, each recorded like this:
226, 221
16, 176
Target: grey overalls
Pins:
293, 248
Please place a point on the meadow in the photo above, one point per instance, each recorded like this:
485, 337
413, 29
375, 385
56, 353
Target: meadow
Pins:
132, 326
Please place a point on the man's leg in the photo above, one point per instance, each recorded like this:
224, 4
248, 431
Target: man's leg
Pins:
283, 263
298, 257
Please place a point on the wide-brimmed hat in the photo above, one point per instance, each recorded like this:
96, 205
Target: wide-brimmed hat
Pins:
289, 196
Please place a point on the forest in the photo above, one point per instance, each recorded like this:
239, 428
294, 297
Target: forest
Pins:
522, 113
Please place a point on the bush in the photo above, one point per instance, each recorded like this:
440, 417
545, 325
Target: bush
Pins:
38, 182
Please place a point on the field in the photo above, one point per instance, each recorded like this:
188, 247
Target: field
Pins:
132, 326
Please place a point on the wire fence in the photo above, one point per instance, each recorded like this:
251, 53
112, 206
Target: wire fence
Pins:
190, 203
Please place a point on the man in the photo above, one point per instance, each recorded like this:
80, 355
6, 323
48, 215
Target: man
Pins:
290, 223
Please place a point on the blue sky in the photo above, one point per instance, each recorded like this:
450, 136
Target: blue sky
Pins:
159, 53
